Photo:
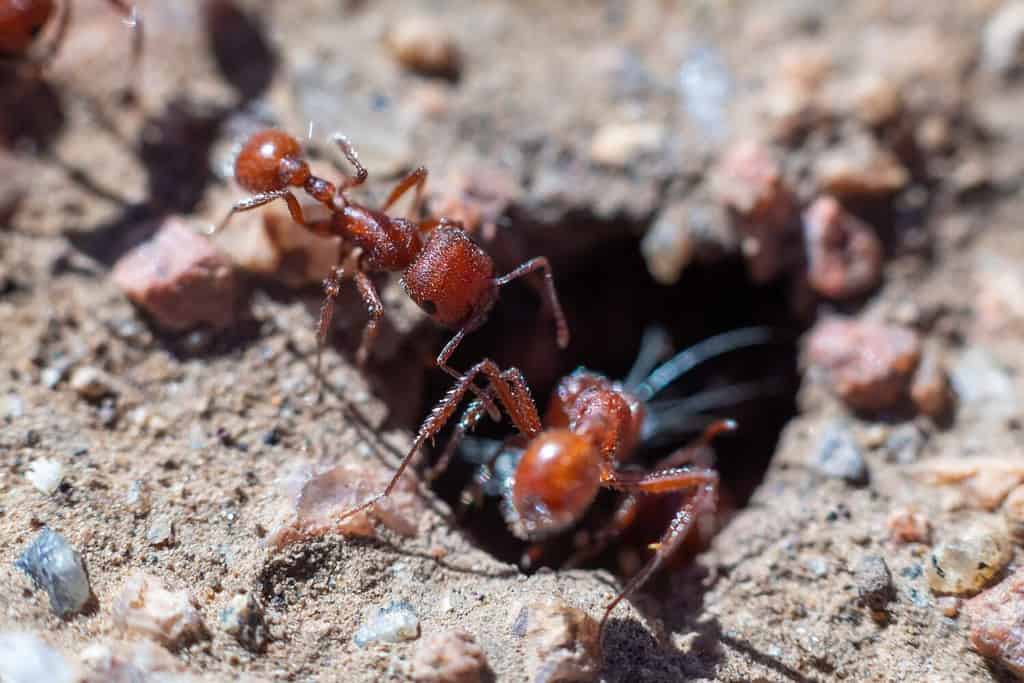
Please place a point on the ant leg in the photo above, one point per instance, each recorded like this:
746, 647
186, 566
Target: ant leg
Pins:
541, 263
442, 362
376, 310
257, 200
417, 179
469, 420
625, 515
442, 412
663, 481
688, 454
332, 285
131, 16
349, 151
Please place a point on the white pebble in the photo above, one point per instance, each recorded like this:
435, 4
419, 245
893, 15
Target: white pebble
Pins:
46, 475
393, 623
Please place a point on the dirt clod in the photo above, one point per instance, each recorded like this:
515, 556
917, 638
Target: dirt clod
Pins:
449, 657
844, 254
145, 607
561, 642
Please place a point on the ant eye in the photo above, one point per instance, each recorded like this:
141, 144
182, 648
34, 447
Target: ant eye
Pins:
429, 306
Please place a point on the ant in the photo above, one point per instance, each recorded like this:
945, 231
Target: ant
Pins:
592, 429
444, 271
21, 22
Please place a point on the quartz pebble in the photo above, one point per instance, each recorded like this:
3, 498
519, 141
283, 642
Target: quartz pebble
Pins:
132, 661
144, 607
749, 183
449, 657
26, 658
876, 100
392, 623
996, 619
243, 619
844, 255
180, 279
161, 532
562, 642
425, 45
91, 383
969, 560
669, 246
869, 365
45, 474
619, 144
1003, 39
57, 568
907, 525
838, 456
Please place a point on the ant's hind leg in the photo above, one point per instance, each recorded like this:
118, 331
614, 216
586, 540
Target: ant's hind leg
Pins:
332, 285
376, 310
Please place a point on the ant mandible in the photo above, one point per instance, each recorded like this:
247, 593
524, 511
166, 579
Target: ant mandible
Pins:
447, 274
592, 427
21, 22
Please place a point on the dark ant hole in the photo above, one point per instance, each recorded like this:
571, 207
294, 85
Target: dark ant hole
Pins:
610, 299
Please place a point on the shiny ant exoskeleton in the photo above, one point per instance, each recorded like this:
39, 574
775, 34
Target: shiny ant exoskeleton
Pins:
590, 432
22, 21
444, 271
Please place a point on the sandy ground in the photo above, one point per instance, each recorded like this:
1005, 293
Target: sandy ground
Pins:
206, 426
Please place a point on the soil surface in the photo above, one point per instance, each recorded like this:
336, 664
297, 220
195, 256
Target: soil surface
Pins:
569, 130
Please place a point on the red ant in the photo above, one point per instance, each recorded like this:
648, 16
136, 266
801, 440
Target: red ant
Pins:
592, 428
447, 274
21, 22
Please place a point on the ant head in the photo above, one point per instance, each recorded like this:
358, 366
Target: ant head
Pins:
270, 160
20, 23
452, 280
556, 480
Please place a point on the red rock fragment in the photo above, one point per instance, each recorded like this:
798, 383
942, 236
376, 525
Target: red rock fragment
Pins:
997, 623
180, 279
750, 184
867, 364
844, 255
930, 390
907, 525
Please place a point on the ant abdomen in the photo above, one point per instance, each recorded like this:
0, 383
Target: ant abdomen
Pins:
21, 22
557, 478
270, 160
452, 279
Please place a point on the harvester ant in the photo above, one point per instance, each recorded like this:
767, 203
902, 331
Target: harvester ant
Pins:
447, 274
21, 22
590, 432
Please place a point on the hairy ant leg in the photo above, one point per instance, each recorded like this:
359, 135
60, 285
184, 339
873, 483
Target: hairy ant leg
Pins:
513, 394
375, 308
659, 482
258, 200
551, 294
345, 145
442, 362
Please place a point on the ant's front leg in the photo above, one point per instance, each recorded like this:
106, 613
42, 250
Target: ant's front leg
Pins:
258, 200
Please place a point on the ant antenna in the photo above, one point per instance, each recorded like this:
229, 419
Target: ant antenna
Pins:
687, 359
654, 345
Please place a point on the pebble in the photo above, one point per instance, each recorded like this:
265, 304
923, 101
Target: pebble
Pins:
145, 607
132, 661
930, 389
860, 168
984, 386
243, 618
425, 45
874, 583
876, 100
748, 181
996, 619
393, 623
619, 144
868, 365
57, 568
51, 376
1002, 41
562, 642
907, 525
838, 456
27, 658
161, 532
668, 246
903, 445
1013, 512
984, 480
844, 254
180, 279
451, 656
949, 606
91, 383
969, 560
46, 475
